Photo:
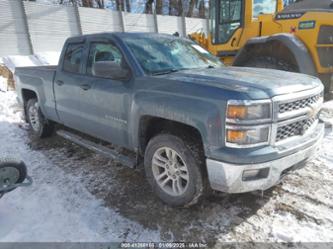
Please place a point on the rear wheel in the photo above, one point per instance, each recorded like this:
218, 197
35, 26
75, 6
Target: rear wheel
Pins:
173, 170
272, 63
38, 123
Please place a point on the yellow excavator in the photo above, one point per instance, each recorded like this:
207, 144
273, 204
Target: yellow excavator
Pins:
261, 33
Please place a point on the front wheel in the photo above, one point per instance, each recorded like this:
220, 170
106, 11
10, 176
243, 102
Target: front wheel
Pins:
38, 123
173, 170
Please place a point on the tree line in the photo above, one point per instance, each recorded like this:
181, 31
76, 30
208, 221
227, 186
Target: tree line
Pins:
189, 8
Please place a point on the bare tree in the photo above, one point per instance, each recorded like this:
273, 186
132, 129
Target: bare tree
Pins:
149, 7
172, 6
175, 7
128, 5
159, 6
202, 9
87, 3
120, 5
100, 4
180, 7
191, 8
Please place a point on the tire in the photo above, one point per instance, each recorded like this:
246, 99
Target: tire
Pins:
13, 171
189, 191
272, 63
38, 123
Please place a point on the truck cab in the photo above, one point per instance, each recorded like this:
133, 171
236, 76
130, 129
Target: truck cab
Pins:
194, 123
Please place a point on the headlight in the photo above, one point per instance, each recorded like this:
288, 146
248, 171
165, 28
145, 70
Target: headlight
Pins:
248, 111
248, 123
247, 137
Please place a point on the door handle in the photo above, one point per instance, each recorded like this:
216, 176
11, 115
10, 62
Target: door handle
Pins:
59, 82
85, 87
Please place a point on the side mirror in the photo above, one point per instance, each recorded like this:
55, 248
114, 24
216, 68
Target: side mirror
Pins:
12, 175
109, 69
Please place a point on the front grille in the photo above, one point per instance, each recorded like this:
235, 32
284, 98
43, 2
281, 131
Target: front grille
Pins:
325, 35
299, 104
294, 129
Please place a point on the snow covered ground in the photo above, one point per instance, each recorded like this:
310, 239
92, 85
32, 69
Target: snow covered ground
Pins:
78, 195
57, 207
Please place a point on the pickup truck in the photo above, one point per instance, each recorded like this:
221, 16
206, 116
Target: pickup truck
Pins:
193, 123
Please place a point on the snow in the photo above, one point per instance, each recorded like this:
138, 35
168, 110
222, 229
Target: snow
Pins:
60, 205
327, 113
38, 59
302, 209
3, 84
57, 207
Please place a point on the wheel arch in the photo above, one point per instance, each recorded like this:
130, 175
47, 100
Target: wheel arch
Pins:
283, 46
150, 126
27, 94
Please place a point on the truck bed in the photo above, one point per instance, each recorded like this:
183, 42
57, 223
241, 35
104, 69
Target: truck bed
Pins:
39, 68
38, 79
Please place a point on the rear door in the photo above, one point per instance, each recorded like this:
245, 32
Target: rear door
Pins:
68, 87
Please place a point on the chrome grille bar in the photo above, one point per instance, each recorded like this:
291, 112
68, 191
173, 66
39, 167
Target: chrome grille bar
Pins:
295, 114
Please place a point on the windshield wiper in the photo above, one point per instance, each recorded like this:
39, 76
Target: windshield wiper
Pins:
173, 70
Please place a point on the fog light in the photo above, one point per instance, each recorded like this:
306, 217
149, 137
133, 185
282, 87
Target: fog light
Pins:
255, 174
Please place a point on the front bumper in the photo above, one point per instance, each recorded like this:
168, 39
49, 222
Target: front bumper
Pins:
227, 177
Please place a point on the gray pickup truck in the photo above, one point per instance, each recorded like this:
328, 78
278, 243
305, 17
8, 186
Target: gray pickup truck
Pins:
194, 123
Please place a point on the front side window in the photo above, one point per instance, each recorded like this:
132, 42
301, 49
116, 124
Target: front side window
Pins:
159, 54
103, 52
73, 58
264, 7
229, 13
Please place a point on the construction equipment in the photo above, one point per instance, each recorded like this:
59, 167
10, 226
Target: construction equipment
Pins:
261, 33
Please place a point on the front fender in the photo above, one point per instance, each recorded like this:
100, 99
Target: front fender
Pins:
203, 115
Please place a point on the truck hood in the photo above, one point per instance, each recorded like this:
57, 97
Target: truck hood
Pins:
272, 82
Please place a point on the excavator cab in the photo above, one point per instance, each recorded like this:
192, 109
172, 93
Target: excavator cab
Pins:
233, 21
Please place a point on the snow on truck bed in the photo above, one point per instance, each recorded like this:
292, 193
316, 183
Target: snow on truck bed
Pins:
80, 196
38, 59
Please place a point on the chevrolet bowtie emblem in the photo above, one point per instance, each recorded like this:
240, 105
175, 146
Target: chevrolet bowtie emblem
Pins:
312, 112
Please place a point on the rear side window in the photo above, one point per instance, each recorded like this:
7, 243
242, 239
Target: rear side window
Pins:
73, 58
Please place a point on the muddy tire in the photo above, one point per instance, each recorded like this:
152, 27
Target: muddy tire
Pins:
11, 172
174, 170
38, 123
272, 63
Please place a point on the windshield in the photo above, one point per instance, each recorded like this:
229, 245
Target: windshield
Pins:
264, 7
164, 54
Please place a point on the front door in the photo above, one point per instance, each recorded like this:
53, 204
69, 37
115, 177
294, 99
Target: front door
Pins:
107, 100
